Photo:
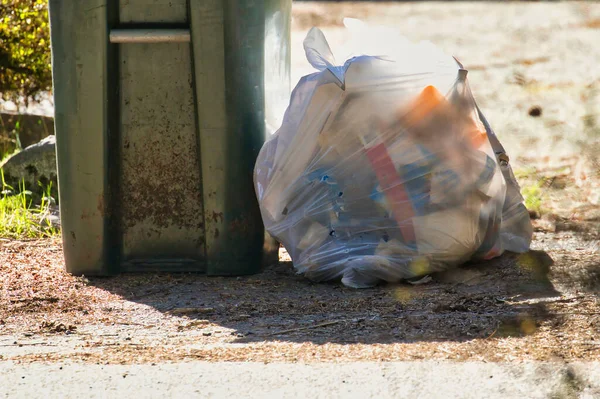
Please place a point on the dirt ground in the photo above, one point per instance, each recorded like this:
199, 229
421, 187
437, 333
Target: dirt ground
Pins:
544, 305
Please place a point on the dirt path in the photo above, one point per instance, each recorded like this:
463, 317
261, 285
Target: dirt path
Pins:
539, 306
376, 380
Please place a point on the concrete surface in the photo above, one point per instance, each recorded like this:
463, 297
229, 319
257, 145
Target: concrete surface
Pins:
423, 379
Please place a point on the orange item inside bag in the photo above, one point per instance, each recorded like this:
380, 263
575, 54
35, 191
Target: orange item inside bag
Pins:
432, 106
429, 101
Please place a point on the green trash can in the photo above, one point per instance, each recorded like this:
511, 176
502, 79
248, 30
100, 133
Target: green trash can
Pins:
161, 107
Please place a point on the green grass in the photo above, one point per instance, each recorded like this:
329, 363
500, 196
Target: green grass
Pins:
19, 217
6, 155
532, 188
14, 143
525, 173
532, 195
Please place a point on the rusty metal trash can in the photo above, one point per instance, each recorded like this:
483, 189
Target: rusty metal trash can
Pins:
161, 108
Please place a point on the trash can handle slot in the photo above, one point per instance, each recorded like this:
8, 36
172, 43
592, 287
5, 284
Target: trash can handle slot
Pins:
149, 36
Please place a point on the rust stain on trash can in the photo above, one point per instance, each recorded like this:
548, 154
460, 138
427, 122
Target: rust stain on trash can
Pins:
241, 226
101, 204
217, 217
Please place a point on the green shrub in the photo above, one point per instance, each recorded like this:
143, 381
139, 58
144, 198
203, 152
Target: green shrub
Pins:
25, 69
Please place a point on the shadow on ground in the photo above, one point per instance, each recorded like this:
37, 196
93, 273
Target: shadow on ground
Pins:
502, 297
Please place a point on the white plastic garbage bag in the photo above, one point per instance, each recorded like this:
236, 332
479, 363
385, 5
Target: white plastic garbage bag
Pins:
385, 169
